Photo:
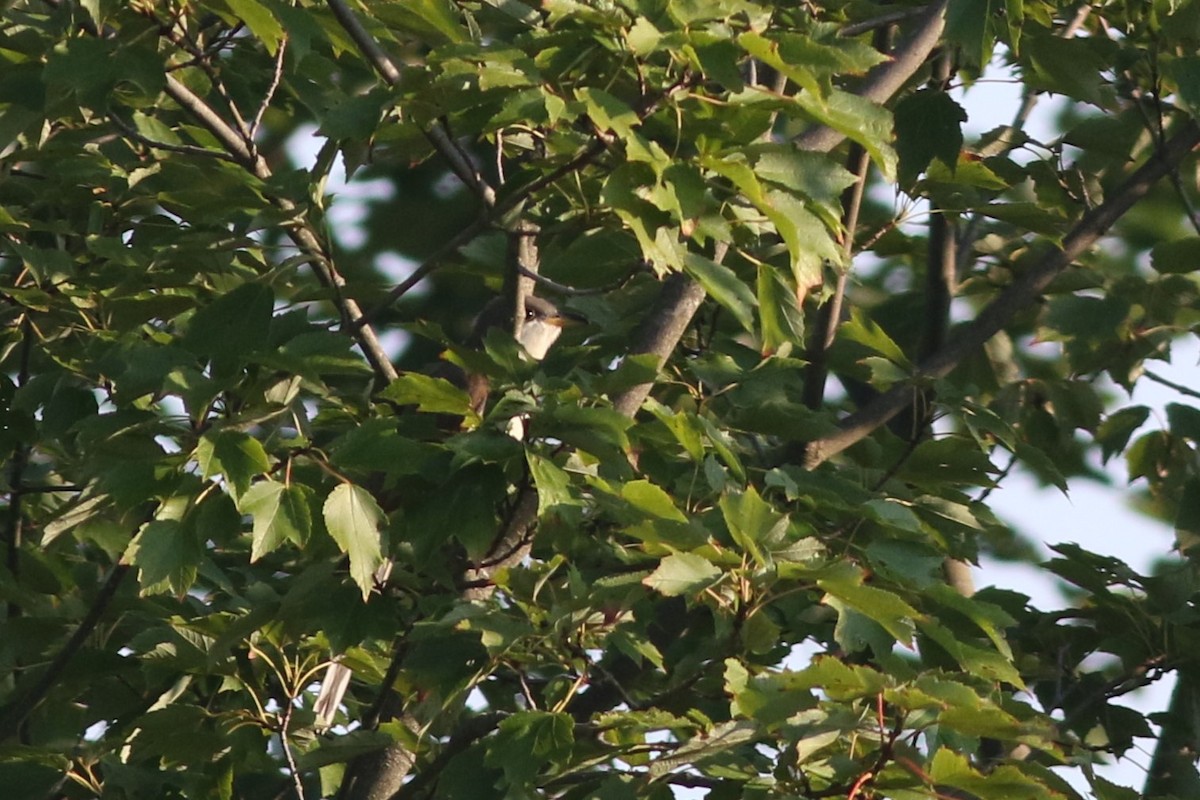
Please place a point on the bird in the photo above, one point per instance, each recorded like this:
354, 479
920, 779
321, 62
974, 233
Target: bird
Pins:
540, 328
541, 325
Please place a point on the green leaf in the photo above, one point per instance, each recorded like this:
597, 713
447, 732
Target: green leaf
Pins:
723, 737
167, 556
280, 513
842, 681
1184, 71
236, 455
353, 519
989, 618
1184, 421
813, 176
594, 429
1080, 317
260, 21
436, 21
1042, 465
430, 395
233, 325
752, 521
970, 25
856, 632
1003, 783
987, 664
769, 699
722, 443
1030, 216
718, 57
1070, 66
879, 605
635, 646
724, 286
808, 61
859, 120
1179, 257
1014, 16
553, 484
928, 126
686, 430
865, 331
651, 499
907, 563
779, 311
1187, 519
462, 508
528, 741
682, 573
608, 112
893, 513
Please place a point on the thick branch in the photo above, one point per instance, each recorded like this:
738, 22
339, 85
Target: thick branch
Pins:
677, 303
1017, 297
1172, 770
887, 79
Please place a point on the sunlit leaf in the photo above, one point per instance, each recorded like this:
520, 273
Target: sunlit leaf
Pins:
354, 520
682, 573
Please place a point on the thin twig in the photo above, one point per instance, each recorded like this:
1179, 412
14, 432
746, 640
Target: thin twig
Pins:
16, 475
229, 137
830, 315
1006, 143
179, 36
583, 158
187, 149
881, 21
276, 77
572, 291
287, 748
1171, 384
423, 271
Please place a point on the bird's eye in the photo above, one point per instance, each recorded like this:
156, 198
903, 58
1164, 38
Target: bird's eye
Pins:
530, 314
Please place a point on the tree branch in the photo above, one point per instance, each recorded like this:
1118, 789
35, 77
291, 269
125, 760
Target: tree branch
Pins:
450, 150
887, 79
830, 315
15, 714
1018, 296
661, 331
16, 476
301, 233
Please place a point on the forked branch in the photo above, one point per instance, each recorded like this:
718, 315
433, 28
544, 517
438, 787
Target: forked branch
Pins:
1017, 297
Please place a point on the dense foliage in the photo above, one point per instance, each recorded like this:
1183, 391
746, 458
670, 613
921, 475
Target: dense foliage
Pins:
732, 554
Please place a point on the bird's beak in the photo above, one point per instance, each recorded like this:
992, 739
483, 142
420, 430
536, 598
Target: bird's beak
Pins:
564, 319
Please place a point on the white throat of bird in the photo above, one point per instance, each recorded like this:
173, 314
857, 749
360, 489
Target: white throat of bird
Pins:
540, 329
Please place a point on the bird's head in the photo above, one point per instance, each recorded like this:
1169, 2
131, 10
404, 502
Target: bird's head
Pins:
540, 327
